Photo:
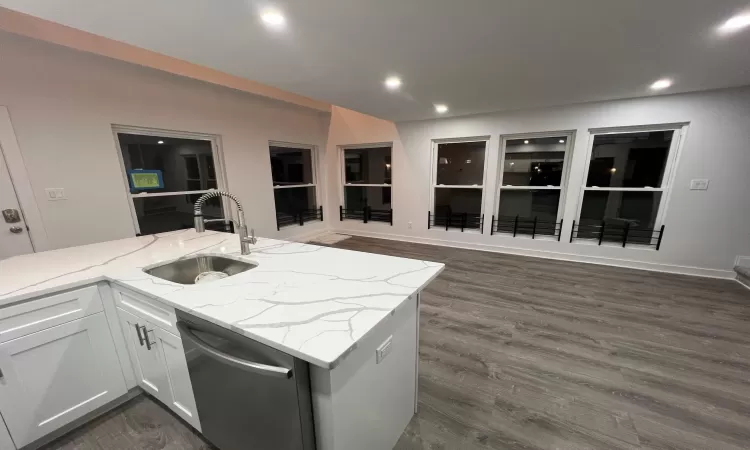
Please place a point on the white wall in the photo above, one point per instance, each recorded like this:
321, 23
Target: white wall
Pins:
63, 104
705, 230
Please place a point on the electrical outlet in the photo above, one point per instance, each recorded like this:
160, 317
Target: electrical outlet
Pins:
384, 349
699, 185
410, 225
54, 194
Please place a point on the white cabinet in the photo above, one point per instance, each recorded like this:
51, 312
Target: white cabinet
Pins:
148, 362
159, 364
56, 375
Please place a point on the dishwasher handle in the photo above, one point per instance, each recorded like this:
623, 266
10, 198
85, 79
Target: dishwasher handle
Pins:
262, 369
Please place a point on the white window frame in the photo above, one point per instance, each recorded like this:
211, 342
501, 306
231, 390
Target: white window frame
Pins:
342, 169
216, 152
434, 170
313, 160
569, 146
667, 181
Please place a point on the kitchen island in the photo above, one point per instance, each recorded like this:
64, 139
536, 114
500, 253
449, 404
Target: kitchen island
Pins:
352, 316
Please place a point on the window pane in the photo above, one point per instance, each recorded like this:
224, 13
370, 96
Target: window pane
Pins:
534, 161
191, 167
368, 165
177, 160
461, 163
293, 200
541, 204
457, 200
357, 197
630, 159
639, 209
291, 166
169, 213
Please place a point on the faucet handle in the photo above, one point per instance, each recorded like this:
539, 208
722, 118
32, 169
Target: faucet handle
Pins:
252, 236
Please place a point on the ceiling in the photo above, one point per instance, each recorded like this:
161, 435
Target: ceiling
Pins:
473, 55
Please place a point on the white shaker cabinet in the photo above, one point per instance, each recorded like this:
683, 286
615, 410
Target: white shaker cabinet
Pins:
56, 375
160, 367
148, 362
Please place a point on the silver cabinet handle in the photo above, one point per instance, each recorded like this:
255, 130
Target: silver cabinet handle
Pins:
147, 339
16, 230
249, 366
138, 330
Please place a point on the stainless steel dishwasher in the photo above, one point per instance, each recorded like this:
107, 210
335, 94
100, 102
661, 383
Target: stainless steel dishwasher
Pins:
248, 395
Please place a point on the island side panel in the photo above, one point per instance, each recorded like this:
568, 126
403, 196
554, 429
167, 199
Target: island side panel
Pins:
361, 404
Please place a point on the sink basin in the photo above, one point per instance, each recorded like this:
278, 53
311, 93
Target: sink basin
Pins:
184, 271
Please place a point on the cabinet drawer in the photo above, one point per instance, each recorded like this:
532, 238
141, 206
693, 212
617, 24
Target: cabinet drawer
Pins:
46, 312
141, 306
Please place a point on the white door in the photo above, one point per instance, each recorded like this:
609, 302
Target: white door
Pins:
181, 399
145, 355
54, 376
14, 237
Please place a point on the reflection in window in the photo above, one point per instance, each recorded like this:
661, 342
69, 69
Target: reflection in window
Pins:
367, 165
357, 197
367, 181
294, 183
291, 166
542, 204
184, 165
632, 160
532, 178
626, 182
461, 163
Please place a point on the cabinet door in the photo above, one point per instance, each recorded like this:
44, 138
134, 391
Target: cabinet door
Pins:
181, 399
148, 364
54, 376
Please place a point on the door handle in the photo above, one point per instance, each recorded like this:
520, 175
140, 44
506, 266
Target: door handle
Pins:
138, 330
16, 230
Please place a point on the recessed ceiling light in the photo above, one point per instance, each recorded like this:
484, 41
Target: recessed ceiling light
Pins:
525, 142
562, 141
441, 109
736, 23
661, 84
160, 142
393, 83
273, 18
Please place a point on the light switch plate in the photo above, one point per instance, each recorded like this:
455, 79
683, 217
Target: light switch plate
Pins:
700, 184
54, 194
384, 349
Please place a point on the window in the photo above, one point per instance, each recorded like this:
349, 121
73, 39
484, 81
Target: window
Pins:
166, 175
294, 184
367, 184
626, 184
532, 179
458, 184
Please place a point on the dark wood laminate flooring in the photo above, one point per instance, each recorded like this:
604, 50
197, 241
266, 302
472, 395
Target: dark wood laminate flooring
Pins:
526, 353
140, 423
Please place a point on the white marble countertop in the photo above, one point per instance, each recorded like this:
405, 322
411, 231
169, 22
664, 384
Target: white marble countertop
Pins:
312, 302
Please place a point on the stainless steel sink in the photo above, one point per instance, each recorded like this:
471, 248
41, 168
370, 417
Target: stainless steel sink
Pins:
184, 271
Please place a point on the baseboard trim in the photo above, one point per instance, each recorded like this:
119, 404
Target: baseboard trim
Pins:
743, 280
654, 267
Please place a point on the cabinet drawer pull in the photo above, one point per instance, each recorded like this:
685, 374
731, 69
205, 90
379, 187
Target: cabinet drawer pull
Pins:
138, 330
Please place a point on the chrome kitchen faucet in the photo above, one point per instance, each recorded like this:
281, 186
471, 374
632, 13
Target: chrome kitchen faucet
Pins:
200, 222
